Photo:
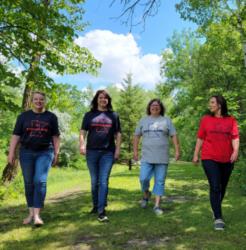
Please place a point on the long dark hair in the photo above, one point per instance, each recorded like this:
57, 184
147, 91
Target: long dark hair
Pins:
223, 104
94, 103
162, 112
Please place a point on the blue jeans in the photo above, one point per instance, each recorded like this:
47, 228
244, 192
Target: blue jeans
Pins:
218, 175
159, 171
100, 163
35, 166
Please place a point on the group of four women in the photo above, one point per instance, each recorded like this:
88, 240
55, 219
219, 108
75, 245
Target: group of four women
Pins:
37, 133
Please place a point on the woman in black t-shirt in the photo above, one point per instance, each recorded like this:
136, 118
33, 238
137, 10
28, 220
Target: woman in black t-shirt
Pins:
37, 133
101, 126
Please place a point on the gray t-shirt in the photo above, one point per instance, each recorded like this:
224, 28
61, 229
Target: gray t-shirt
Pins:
155, 144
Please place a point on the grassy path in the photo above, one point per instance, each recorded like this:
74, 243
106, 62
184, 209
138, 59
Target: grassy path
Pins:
186, 223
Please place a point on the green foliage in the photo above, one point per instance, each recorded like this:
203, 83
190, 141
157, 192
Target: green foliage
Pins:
69, 155
68, 99
196, 70
207, 62
130, 106
48, 29
40, 36
240, 172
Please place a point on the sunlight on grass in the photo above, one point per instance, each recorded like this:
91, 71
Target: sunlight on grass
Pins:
186, 224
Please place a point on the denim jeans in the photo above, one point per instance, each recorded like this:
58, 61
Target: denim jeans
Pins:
35, 166
100, 163
159, 171
218, 175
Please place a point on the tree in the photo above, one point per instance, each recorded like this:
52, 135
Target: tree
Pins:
40, 36
201, 12
132, 8
130, 108
227, 12
194, 71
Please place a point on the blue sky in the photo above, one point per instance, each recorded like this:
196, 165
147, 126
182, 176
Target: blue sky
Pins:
122, 52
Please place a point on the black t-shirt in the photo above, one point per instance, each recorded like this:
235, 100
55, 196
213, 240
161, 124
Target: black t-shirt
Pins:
102, 127
36, 129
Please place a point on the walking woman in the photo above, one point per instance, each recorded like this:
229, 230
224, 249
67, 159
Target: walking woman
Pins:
155, 129
37, 132
101, 128
218, 139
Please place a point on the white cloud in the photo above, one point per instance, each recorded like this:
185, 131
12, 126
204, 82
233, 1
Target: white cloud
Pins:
120, 55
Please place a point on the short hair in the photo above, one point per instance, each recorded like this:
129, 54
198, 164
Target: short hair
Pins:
38, 92
162, 112
94, 104
223, 104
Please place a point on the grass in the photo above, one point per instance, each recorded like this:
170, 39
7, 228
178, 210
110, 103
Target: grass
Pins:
186, 223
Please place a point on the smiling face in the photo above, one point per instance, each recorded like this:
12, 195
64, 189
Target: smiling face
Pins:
38, 102
102, 102
155, 109
214, 107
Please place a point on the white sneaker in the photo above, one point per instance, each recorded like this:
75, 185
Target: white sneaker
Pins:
158, 210
219, 224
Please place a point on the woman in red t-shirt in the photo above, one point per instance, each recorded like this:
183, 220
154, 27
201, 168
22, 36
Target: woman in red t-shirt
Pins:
218, 139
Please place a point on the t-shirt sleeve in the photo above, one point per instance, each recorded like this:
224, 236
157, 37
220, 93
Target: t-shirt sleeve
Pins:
201, 134
171, 128
18, 129
85, 123
235, 131
138, 130
54, 126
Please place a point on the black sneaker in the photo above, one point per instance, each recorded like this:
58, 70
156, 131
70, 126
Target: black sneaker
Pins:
102, 217
93, 210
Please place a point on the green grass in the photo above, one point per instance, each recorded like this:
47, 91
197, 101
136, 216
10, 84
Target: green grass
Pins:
186, 223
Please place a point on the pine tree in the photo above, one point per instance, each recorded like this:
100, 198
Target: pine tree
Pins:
130, 108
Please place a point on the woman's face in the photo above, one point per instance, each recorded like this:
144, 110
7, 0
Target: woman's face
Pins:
102, 101
214, 107
38, 101
155, 108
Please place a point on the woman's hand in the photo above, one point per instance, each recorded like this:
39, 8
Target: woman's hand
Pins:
234, 156
195, 159
55, 160
82, 150
116, 153
11, 158
177, 155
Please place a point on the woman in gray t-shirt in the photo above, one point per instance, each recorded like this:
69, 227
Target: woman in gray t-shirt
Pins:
155, 130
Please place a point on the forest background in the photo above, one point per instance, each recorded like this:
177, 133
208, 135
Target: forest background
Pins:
40, 36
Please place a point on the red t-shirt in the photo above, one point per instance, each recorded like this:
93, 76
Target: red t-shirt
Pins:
217, 134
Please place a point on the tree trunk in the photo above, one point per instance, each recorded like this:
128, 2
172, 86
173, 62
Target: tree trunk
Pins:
130, 164
129, 150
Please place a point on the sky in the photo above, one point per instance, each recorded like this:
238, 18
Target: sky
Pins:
122, 52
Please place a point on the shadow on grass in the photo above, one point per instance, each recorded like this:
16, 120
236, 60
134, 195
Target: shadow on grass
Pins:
186, 222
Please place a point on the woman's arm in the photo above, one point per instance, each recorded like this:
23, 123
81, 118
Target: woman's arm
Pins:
13, 144
197, 150
235, 146
82, 146
176, 146
117, 145
56, 143
136, 140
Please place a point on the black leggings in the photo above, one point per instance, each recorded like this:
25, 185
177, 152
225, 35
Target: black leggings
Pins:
218, 175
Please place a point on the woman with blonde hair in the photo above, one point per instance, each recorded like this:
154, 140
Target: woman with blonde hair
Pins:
37, 132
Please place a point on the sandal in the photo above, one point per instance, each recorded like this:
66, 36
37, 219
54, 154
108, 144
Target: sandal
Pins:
38, 222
